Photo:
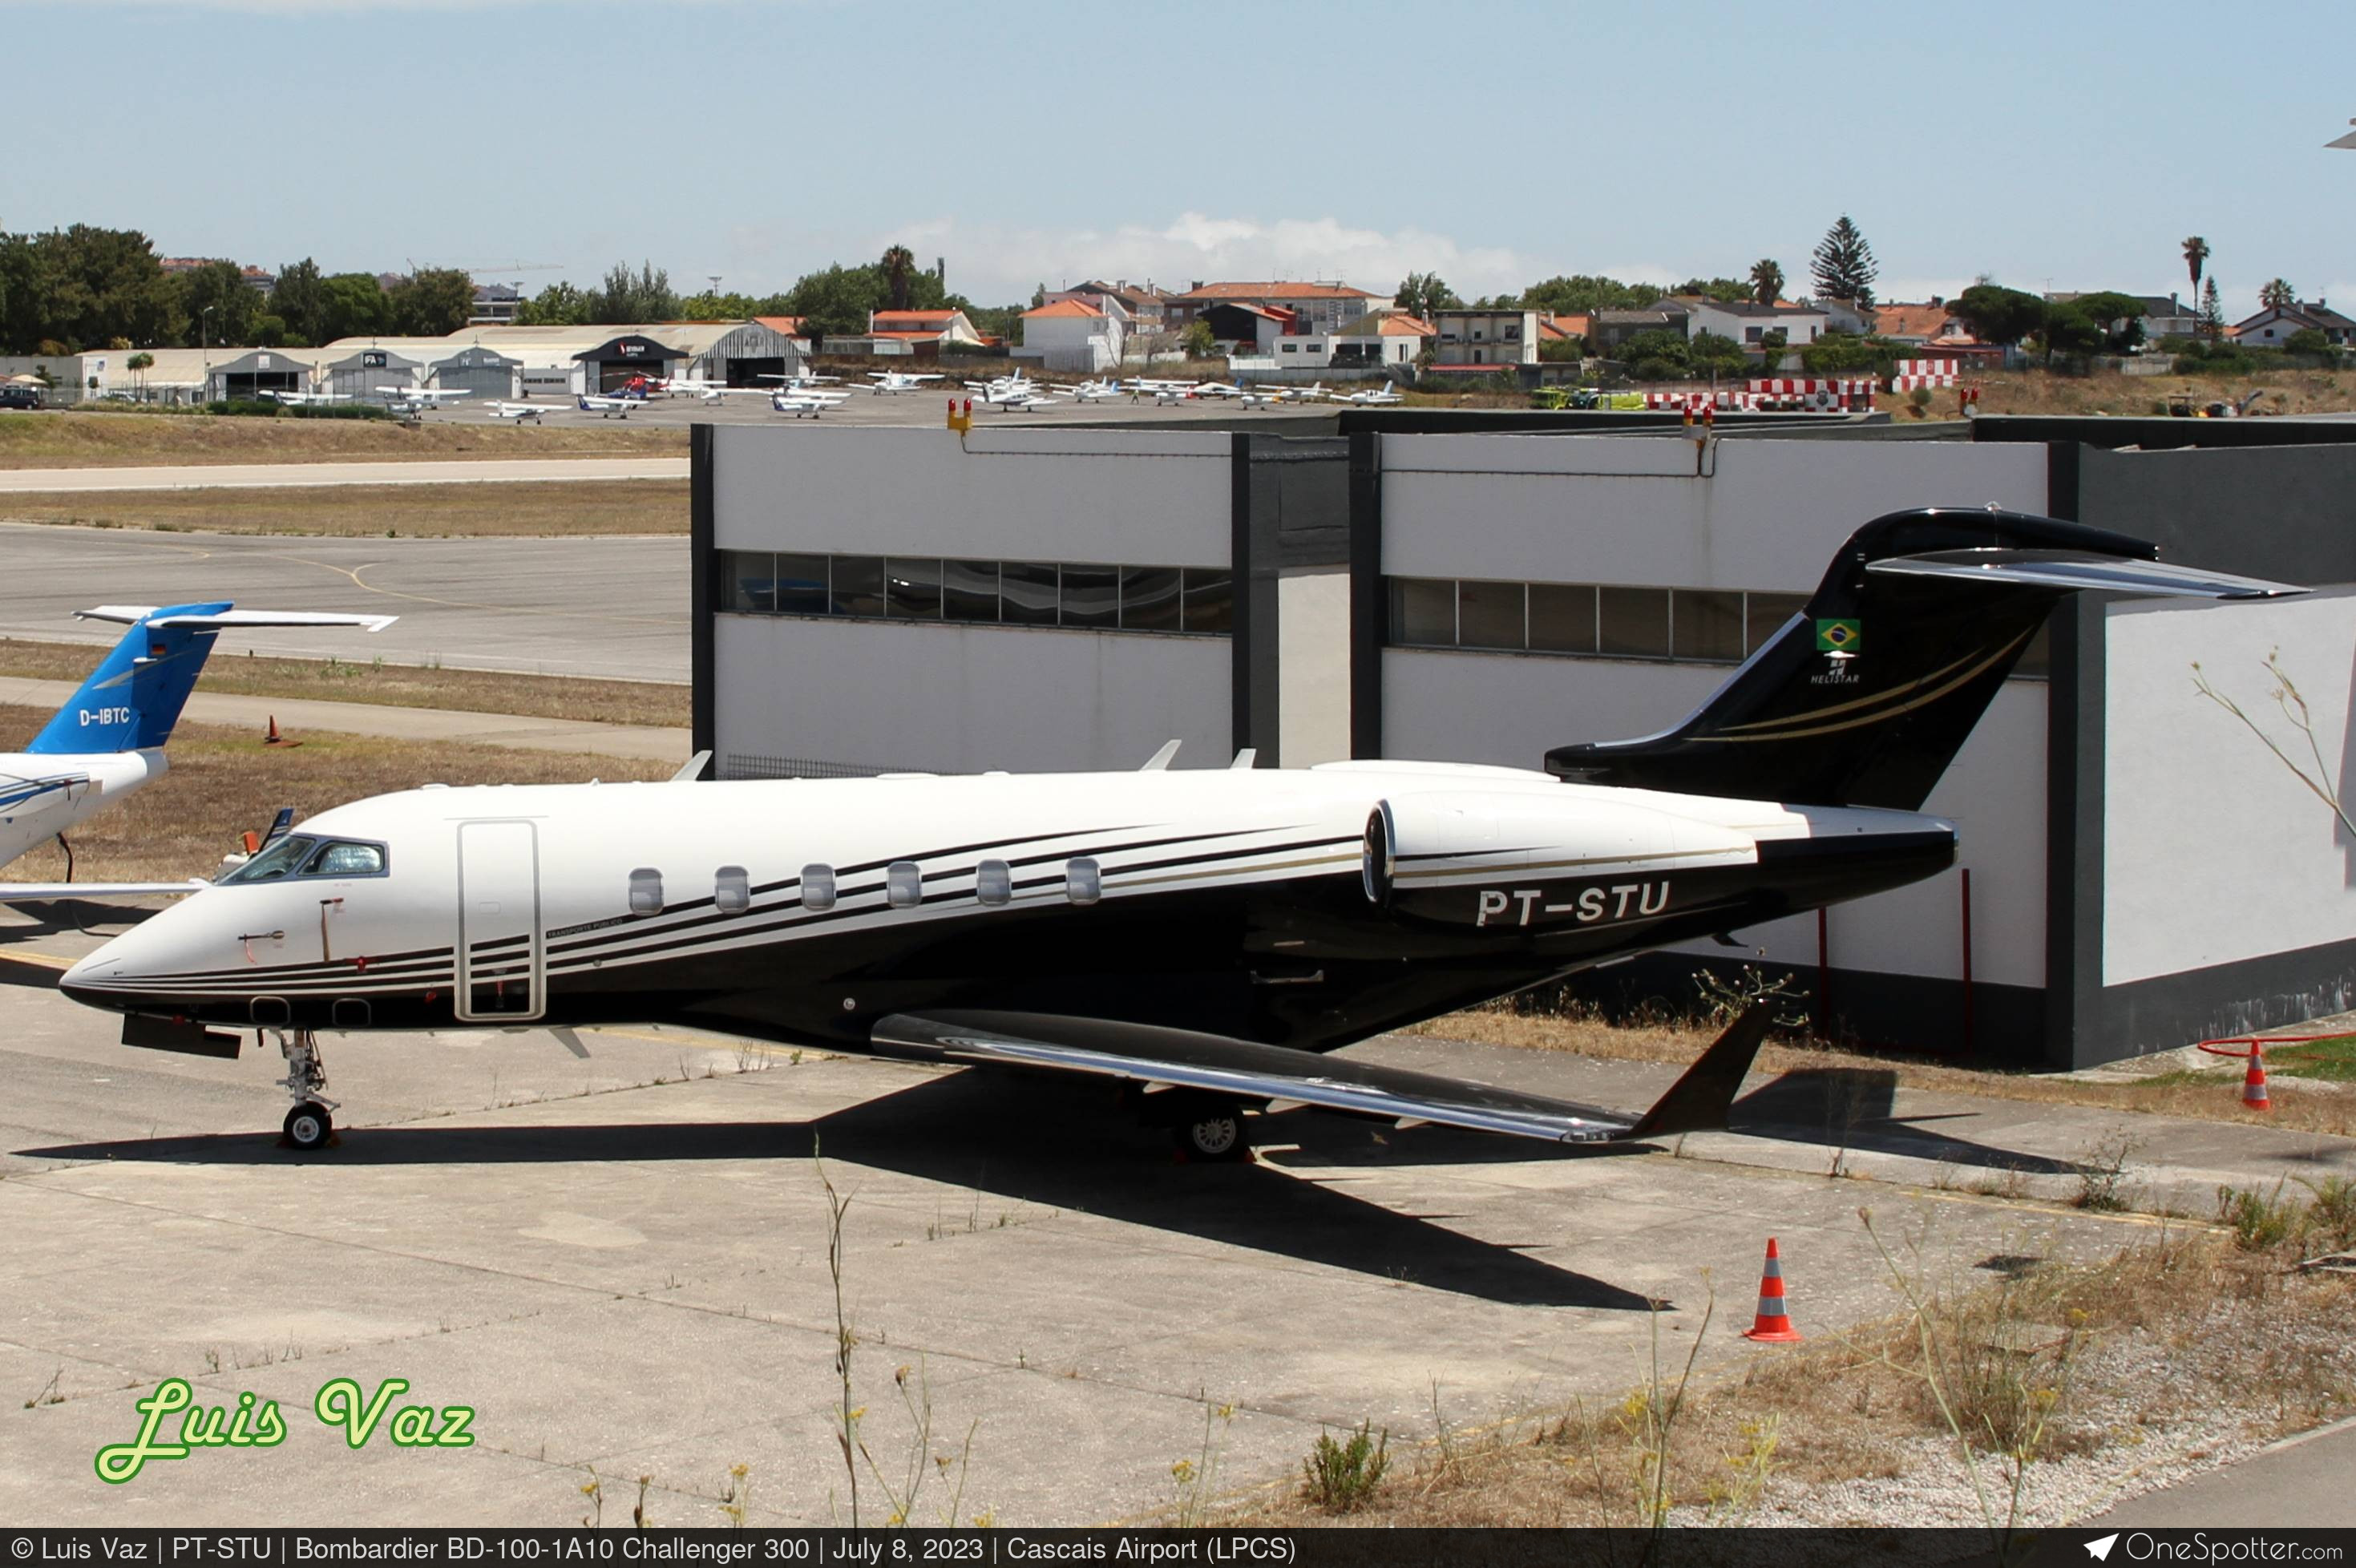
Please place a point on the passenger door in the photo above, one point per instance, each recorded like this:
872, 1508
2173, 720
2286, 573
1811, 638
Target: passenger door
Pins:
501, 960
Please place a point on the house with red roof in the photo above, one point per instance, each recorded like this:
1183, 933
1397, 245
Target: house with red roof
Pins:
1072, 334
922, 331
1312, 306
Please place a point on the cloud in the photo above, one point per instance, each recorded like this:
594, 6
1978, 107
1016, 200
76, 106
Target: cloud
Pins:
992, 263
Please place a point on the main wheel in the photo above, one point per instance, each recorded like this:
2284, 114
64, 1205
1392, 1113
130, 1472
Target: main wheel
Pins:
308, 1126
1214, 1134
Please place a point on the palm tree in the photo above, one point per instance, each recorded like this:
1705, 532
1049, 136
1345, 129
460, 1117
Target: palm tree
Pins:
1766, 281
2196, 254
2277, 295
899, 263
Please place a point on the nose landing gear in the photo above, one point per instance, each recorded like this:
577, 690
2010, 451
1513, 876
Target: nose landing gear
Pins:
308, 1126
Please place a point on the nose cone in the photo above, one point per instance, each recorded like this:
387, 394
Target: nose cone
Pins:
88, 980
123, 974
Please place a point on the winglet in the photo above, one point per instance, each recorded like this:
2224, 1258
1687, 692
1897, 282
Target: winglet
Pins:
1697, 1101
692, 769
1160, 760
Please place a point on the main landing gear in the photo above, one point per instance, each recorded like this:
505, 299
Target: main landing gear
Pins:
308, 1126
1210, 1130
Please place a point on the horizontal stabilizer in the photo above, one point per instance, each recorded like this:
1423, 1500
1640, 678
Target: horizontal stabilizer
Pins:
220, 620
1248, 1070
25, 892
2075, 569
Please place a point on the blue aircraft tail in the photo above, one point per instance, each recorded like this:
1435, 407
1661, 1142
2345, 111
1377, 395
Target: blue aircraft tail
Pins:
134, 698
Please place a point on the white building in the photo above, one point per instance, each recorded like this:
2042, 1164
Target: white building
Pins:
1486, 336
1748, 324
1072, 335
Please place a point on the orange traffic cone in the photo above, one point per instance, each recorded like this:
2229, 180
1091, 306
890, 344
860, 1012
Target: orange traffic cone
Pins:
273, 737
1772, 1325
2253, 1083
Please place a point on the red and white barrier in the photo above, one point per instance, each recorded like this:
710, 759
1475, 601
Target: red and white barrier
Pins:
1821, 394
1912, 374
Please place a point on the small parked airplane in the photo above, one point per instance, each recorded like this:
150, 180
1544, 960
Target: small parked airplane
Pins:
610, 407
1311, 393
798, 378
1383, 399
518, 411
1097, 392
811, 403
307, 399
108, 739
895, 382
410, 401
1015, 392
1204, 937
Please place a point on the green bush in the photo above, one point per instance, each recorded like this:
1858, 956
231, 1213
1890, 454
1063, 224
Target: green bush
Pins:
1343, 1478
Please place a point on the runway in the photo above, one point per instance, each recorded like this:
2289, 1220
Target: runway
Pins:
614, 608
301, 476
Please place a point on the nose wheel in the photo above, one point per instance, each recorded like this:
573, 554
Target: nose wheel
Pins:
309, 1124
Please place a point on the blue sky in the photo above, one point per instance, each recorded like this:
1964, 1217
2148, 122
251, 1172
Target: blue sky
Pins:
2050, 145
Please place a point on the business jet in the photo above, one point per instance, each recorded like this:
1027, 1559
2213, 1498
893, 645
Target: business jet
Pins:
892, 383
610, 407
1371, 399
806, 403
1202, 938
518, 411
108, 739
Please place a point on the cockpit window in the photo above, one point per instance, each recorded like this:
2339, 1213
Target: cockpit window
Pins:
345, 860
277, 861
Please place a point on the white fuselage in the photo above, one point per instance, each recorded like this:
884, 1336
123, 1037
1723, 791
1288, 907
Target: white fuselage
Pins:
809, 907
43, 794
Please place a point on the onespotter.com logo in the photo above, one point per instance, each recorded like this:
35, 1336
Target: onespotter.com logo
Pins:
2100, 1550
2201, 1546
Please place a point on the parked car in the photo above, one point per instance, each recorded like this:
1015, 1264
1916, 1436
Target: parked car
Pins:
17, 395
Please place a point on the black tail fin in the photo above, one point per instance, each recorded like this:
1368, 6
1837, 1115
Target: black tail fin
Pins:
1864, 698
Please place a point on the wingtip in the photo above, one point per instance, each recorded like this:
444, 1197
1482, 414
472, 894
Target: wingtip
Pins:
1698, 1100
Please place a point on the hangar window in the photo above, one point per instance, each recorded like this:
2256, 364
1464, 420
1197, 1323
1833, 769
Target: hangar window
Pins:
857, 587
1150, 599
818, 887
752, 581
969, 590
1423, 612
731, 890
1706, 625
993, 882
1632, 622
912, 589
800, 584
1091, 596
1765, 615
1027, 593
646, 891
1562, 617
1210, 600
904, 885
1083, 880
1489, 615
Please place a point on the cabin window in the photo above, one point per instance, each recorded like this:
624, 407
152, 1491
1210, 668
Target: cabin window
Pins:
904, 885
646, 891
818, 887
731, 890
347, 859
993, 882
1083, 880
278, 860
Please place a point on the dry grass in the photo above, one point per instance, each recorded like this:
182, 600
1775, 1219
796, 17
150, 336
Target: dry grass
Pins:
60, 439
2308, 1107
390, 685
2184, 1328
223, 781
2037, 393
558, 508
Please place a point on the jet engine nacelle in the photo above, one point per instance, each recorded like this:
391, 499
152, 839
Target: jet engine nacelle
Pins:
1537, 862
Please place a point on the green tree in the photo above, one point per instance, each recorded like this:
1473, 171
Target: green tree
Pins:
1726, 291
1998, 314
1198, 341
301, 301
220, 307
1562, 350
1773, 342
1583, 294
2213, 313
1424, 292
2306, 340
139, 364
1657, 355
2196, 257
2277, 295
432, 303
2068, 328
1839, 353
558, 305
1844, 267
1766, 281
2120, 316
628, 299
1713, 354
899, 267
353, 305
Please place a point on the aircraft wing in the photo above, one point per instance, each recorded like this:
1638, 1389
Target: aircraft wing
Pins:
128, 614
1283, 1078
21, 892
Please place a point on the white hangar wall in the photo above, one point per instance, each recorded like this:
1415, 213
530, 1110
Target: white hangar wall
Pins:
1767, 516
2213, 852
797, 694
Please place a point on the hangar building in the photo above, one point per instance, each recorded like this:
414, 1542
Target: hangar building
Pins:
2136, 871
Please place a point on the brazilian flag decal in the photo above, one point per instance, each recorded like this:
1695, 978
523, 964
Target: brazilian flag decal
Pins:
1839, 635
